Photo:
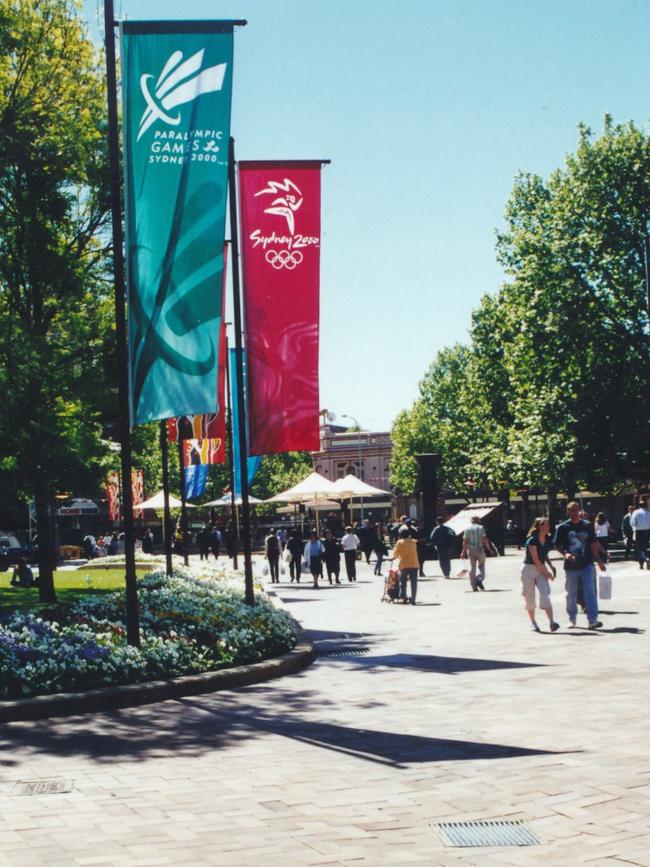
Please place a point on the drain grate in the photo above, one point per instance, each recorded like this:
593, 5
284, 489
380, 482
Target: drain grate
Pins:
42, 787
344, 651
499, 833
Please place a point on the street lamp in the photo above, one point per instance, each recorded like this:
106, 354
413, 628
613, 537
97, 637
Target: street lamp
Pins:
352, 418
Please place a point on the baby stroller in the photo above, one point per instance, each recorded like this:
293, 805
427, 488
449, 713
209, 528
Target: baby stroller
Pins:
391, 586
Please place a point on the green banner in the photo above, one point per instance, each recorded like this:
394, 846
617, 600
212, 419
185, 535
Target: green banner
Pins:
177, 84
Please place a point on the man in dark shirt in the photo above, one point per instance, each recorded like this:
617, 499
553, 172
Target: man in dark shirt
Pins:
442, 539
576, 541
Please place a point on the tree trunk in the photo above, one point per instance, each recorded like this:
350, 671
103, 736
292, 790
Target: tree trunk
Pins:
46, 559
551, 502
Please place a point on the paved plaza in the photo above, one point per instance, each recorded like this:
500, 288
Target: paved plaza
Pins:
449, 711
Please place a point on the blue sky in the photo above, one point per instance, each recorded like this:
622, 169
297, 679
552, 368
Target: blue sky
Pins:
427, 109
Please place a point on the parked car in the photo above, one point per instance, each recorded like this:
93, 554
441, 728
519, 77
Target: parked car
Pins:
10, 551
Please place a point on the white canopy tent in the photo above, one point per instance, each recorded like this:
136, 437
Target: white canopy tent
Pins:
226, 500
315, 488
461, 521
351, 486
157, 502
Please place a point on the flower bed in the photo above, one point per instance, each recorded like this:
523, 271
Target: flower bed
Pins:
189, 624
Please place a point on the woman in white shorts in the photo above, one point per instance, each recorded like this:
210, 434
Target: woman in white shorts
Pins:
537, 571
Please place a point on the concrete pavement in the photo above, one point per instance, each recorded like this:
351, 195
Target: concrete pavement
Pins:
451, 710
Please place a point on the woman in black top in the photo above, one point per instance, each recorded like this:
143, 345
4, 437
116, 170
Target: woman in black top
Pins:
332, 556
537, 571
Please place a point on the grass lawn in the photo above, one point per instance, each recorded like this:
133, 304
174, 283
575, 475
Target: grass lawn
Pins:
69, 585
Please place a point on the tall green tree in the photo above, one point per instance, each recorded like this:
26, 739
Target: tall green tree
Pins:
578, 357
54, 305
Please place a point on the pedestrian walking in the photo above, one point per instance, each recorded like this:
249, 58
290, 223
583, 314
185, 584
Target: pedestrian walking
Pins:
602, 530
214, 540
641, 525
314, 552
147, 542
295, 549
113, 545
406, 552
350, 543
537, 571
576, 541
379, 547
476, 546
272, 553
627, 532
442, 539
332, 556
366, 536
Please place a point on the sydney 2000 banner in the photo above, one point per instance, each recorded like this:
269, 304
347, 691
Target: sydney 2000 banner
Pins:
177, 82
280, 208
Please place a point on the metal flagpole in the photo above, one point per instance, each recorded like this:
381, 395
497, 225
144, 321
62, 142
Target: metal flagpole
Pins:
132, 614
164, 452
233, 505
239, 369
181, 458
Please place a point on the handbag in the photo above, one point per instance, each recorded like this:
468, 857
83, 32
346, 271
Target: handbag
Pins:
604, 586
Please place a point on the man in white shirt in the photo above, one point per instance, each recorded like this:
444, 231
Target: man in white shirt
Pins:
641, 525
350, 543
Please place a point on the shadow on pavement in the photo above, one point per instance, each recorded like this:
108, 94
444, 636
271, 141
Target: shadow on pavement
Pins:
201, 725
425, 662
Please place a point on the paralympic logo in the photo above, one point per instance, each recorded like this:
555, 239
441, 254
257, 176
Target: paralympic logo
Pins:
284, 206
180, 82
279, 259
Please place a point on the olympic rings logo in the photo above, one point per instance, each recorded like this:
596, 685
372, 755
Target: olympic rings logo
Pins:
288, 259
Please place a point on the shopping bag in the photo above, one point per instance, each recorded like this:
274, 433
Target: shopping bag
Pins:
604, 586
265, 569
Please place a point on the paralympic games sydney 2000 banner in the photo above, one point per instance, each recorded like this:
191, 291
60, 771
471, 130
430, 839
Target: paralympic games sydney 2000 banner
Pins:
177, 92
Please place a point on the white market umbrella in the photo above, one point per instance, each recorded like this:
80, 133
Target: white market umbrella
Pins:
314, 488
158, 502
226, 500
352, 486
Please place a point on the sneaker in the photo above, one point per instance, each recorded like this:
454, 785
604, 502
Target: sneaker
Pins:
554, 626
535, 627
572, 624
596, 625
480, 586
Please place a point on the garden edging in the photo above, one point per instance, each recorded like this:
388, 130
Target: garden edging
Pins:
134, 694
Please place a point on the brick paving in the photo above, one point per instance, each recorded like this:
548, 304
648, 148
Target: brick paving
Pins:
456, 713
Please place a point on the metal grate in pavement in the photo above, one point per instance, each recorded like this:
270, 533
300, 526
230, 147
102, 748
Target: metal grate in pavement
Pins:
343, 651
498, 833
42, 787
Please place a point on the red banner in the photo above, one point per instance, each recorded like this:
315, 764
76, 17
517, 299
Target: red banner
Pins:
205, 451
280, 220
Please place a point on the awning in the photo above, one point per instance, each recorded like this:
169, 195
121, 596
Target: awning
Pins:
460, 522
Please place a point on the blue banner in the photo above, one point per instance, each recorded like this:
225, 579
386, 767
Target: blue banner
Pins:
195, 478
254, 462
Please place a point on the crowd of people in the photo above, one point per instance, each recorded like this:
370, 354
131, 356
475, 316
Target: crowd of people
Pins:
580, 541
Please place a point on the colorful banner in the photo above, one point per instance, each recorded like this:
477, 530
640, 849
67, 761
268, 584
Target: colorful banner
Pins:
195, 478
208, 451
252, 463
280, 230
177, 80
113, 498
137, 490
114, 493
207, 425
